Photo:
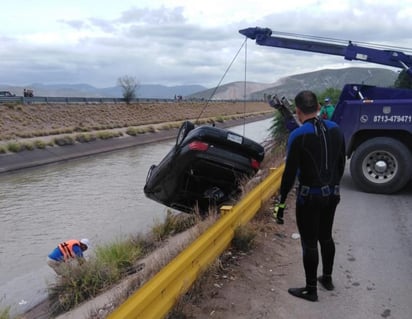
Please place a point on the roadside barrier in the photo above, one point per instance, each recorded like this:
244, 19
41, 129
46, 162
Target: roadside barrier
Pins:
158, 296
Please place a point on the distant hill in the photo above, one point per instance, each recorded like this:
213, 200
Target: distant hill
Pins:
86, 90
232, 91
316, 81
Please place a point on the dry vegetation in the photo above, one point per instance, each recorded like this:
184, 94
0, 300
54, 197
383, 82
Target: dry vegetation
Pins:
23, 121
19, 121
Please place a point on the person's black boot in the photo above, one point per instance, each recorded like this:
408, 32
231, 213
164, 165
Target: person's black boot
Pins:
307, 293
326, 282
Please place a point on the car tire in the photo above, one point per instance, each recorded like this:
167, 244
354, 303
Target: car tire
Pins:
381, 165
185, 128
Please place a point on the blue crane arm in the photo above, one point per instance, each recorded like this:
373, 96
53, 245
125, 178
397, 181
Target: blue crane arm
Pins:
350, 51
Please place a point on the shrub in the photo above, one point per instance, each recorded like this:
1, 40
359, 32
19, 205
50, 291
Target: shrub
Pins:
27, 146
105, 135
243, 238
14, 147
65, 140
173, 224
40, 144
5, 313
80, 283
85, 138
132, 131
220, 119
151, 129
121, 255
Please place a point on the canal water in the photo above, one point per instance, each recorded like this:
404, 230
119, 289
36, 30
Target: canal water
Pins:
100, 198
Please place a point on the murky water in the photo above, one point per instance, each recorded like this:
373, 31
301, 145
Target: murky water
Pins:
100, 198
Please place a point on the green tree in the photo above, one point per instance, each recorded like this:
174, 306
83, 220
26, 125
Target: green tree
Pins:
404, 80
129, 87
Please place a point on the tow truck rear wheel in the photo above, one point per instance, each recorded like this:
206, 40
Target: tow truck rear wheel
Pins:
381, 165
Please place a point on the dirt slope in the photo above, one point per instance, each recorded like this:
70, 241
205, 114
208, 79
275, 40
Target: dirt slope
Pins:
253, 284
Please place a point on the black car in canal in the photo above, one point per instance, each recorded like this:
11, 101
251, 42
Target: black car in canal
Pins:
204, 168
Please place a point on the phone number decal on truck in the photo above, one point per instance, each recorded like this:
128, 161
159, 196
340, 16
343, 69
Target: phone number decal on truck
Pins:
392, 118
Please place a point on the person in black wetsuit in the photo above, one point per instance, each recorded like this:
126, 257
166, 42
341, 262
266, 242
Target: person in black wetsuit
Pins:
316, 156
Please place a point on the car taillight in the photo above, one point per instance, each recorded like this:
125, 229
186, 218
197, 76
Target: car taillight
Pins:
255, 164
198, 146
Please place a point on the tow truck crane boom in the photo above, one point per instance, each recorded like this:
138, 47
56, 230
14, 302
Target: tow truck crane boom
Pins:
350, 51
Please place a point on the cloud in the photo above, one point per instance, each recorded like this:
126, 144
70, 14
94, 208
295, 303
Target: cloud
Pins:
159, 16
175, 42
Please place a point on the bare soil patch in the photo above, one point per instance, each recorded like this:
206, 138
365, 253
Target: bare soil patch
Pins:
253, 284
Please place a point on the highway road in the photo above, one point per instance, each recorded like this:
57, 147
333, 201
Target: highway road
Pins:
373, 264
374, 261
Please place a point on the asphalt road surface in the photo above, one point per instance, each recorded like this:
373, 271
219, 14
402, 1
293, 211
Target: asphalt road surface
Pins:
373, 265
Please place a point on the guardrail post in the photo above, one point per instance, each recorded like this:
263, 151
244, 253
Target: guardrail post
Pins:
225, 209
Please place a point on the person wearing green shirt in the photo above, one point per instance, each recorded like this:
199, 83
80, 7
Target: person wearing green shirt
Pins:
327, 109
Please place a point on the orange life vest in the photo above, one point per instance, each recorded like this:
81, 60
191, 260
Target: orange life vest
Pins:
67, 248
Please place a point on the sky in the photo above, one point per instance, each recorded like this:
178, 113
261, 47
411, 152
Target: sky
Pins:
182, 42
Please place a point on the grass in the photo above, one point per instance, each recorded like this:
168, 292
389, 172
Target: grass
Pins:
131, 126
243, 238
173, 224
134, 131
114, 261
39, 144
242, 242
85, 137
14, 147
25, 121
110, 263
5, 313
64, 140
105, 135
120, 255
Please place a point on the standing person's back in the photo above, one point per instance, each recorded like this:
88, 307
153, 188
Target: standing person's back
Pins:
316, 156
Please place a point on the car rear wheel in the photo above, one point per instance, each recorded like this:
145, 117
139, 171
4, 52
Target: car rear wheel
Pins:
185, 128
381, 165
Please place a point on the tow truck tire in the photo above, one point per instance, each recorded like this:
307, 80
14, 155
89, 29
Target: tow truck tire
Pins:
185, 128
381, 165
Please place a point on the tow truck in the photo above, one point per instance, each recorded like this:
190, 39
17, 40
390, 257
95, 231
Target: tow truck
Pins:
376, 121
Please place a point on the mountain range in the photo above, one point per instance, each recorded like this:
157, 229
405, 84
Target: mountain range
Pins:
316, 81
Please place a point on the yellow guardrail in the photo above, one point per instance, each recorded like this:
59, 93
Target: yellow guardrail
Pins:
158, 296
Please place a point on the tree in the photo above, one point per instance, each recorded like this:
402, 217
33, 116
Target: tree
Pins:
404, 80
129, 86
